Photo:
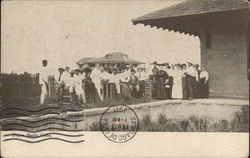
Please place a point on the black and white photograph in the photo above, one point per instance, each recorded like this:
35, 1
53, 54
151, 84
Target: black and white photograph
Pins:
124, 75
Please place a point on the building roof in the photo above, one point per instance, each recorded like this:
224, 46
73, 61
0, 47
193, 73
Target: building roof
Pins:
189, 9
111, 58
118, 57
117, 54
88, 60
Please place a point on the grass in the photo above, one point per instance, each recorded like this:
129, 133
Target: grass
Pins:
95, 126
239, 123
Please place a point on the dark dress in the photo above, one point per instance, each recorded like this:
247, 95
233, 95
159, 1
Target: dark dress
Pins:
203, 88
161, 91
91, 93
106, 94
155, 71
169, 90
142, 85
184, 87
196, 87
191, 86
133, 83
112, 93
125, 91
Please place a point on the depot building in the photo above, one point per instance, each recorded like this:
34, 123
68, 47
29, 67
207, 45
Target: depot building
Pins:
223, 29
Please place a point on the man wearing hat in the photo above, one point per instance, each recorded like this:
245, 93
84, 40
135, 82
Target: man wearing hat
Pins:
127, 70
105, 76
114, 82
142, 76
66, 76
124, 78
78, 79
43, 80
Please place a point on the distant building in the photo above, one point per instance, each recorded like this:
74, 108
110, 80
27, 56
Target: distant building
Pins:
111, 58
223, 29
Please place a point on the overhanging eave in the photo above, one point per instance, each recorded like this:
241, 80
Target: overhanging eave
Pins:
191, 24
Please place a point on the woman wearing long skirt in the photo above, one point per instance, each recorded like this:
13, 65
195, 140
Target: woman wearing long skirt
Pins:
169, 84
177, 86
161, 91
154, 79
113, 85
91, 94
203, 83
184, 82
124, 78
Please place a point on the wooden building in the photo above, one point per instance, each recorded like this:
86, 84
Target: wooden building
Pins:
223, 29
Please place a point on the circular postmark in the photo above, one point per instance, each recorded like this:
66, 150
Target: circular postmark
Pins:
119, 123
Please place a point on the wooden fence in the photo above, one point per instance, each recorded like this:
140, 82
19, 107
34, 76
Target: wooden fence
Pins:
24, 89
16, 87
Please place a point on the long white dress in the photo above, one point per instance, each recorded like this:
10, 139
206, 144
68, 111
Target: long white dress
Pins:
177, 84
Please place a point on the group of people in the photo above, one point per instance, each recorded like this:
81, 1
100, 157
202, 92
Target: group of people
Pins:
99, 83
94, 84
179, 81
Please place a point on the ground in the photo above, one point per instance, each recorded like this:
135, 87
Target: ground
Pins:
33, 108
203, 115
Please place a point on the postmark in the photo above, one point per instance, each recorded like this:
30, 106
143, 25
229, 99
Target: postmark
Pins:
119, 124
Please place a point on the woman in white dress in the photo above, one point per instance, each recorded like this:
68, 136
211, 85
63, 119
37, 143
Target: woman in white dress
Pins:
177, 83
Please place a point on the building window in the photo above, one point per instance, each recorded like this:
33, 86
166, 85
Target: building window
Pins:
208, 39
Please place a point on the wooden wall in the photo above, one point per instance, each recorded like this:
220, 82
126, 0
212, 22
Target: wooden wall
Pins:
226, 59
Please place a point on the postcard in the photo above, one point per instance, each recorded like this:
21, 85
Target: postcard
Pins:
164, 78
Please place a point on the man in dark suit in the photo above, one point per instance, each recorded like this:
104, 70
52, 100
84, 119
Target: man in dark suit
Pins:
133, 84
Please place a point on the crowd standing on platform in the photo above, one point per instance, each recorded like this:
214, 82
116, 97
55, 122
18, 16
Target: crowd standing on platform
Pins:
106, 82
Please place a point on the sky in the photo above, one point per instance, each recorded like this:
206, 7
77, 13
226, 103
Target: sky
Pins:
64, 32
